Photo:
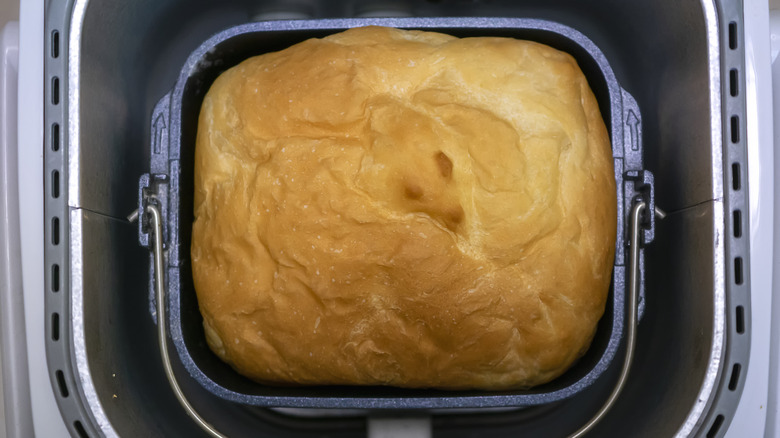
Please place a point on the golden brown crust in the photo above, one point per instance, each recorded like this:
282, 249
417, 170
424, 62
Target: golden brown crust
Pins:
403, 208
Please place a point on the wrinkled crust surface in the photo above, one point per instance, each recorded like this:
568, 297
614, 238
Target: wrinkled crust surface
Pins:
403, 208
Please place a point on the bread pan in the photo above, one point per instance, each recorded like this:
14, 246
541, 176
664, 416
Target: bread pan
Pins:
174, 127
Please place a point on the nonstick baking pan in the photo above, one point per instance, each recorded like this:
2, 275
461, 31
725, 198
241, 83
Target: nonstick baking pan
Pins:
170, 185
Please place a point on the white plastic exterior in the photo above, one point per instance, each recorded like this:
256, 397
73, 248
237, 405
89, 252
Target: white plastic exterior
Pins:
773, 402
14, 399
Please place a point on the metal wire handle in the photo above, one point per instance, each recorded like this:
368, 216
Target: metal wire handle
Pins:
159, 286
633, 299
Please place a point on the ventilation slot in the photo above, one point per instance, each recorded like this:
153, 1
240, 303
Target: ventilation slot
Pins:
740, 320
55, 137
735, 175
61, 384
734, 380
55, 184
55, 278
55, 231
55, 326
737, 223
80, 429
734, 82
734, 129
738, 270
55, 44
733, 35
55, 90
715, 426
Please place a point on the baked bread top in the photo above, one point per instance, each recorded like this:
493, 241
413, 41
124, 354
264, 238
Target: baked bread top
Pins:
403, 208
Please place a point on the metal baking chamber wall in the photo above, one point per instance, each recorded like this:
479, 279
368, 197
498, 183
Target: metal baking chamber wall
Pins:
107, 64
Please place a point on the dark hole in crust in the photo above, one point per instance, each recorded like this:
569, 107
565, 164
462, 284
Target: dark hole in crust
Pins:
412, 191
445, 164
455, 216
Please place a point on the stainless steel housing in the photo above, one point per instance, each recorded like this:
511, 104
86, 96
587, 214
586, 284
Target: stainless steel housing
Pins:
110, 62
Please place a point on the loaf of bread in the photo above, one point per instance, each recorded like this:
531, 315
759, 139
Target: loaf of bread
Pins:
403, 208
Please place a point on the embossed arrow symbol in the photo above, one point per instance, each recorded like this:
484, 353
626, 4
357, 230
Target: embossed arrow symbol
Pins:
159, 126
633, 126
